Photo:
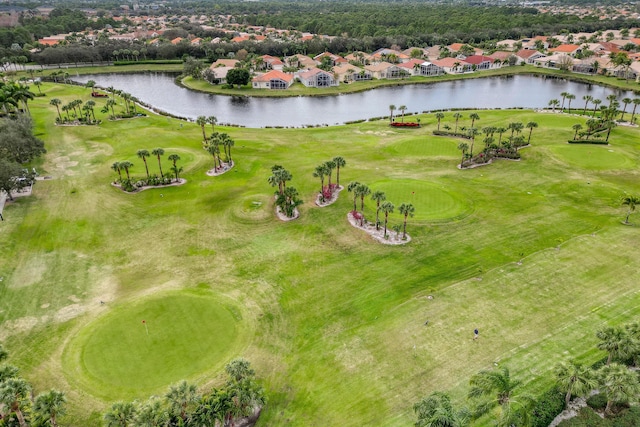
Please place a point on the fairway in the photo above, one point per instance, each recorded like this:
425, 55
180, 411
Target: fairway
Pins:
530, 252
138, 349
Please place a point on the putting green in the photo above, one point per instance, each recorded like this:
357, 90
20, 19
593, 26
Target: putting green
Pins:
599, 157
432, 202
139, 349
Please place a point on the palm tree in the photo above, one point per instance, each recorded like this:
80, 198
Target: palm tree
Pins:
176, 170
570, 97
574, 379
109, 106
126, 165
321, 172
202, 121
227, 143
595, 102
563, 95
436, 410
531, 126
630, 201
577, 127
497, 388
181, 397
378, 197
56, 102
457, 117
553, 104
214, 149
636, 102
331, 165
340, 162
387, 208
472, 132
392, 108
474, 117
402, 108
464, 147
90, 84
407, 210
439, 116
153, 414
626, 102
363, 191
121, 414
619, 384
617, 342
12, 392
612, 98
212, 120
117, 168
143, 154
158, 152
50, 405
586, 99
90, 105
352, 188
500, 131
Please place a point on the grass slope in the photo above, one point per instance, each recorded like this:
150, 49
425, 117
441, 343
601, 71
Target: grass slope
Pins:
333, 321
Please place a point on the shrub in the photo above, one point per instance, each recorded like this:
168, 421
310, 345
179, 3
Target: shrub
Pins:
446, 133
597, 401
586, 418
546, 408
628, 418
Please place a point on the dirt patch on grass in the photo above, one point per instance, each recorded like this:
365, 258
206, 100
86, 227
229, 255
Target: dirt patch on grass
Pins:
29, 273
354, 355
12, 327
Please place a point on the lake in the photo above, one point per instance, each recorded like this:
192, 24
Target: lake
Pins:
160, 91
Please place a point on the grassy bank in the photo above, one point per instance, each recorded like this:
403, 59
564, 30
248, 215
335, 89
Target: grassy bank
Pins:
532, 253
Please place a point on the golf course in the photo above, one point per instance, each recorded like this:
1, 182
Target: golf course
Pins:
114, 296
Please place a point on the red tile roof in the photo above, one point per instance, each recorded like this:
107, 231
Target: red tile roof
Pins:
273, 75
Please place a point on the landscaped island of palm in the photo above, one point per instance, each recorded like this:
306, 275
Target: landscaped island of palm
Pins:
113, 297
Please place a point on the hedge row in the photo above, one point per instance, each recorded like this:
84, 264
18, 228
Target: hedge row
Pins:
588, 141
163, 61
447, 133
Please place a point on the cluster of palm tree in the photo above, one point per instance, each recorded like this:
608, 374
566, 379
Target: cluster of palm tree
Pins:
14, 98
75, 112
129, 104
19, 407
360, 191
500, 148
605, 121
183, 406
124, 166
393, 108
213, 144
287, 198
326, 170
496, 388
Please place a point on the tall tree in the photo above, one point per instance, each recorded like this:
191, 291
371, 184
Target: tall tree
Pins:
56, 103
340, 163
212, 120
564, 96
202, 121
595, 103
126, 165
176, 170
456, 116
387, 208
321, 172
626, 102
619, 384
570, 97
331, 165
406, 209
182, 397
636, 102
463, 147
531, 126
577, 127
121, 414
50, 405
392, 108
575, 379
439, 116
630, 201
496, 388
362, 191
617, 342
116, 167
378, 197
12, 394
158, 152
586, 99
143, 154
353, 185
474, 117
436, 410
402, 108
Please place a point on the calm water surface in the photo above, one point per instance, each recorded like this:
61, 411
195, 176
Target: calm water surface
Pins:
160, 91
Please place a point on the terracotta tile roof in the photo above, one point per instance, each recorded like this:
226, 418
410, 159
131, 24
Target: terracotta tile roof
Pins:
412, 63
478, 59
224, 63
378, 67
500, 55
527, 53
448, 62
176, 40
565, 48
273, 75
49, 42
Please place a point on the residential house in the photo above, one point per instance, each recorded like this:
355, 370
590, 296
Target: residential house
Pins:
220, 73
176, 40
315, 77
385, 70
507, 44
389, 55
590, 65
453, 65
529, 56
533, 43
504, 57
455, 48
430, 69
300, 61
555, 61
350, 73
334, 59
359, 57
412, 67
270, 63
481, 62
274, 79
568, 49
224, 63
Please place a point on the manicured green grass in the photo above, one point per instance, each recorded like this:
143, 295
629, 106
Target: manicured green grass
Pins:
332, 321
137, 349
